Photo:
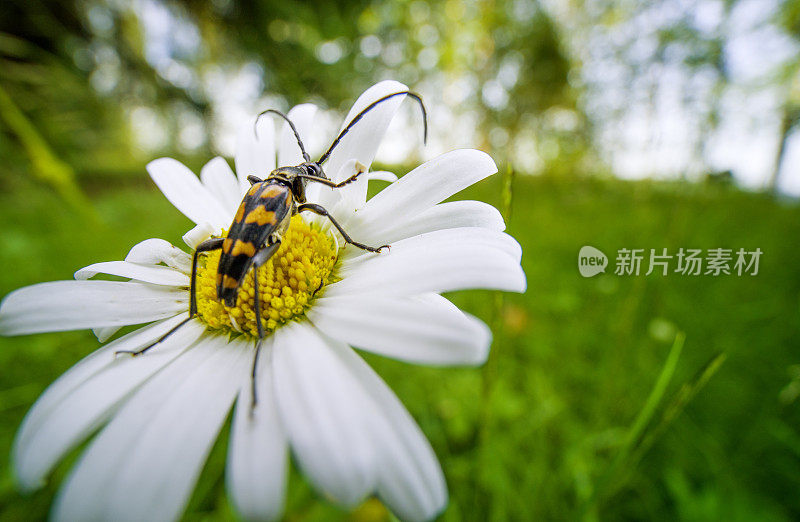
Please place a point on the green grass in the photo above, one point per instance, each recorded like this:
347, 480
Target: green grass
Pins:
589, 406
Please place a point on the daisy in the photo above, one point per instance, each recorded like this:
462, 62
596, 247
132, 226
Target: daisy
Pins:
157, 415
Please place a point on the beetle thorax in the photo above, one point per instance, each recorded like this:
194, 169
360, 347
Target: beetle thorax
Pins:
287, 174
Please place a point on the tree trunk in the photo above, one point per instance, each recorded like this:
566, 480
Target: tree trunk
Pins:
787, 122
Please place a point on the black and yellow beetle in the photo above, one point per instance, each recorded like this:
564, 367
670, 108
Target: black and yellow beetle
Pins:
262, 218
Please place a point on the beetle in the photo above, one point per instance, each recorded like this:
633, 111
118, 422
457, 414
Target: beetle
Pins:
264, 215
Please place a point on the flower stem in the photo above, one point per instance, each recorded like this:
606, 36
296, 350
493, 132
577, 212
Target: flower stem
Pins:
483, 496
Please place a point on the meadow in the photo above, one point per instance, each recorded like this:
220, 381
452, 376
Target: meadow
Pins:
616, 397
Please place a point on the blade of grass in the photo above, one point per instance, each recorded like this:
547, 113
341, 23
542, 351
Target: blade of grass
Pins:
607, 482
656, 394
786, 435
490, 369
682, 398
497, 310
46, 165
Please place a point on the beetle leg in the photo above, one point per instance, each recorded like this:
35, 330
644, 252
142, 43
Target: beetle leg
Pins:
360, 169
259, 259
318, 209
206, 246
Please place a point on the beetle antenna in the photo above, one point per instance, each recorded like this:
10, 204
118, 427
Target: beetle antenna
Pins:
294, 130
369, 108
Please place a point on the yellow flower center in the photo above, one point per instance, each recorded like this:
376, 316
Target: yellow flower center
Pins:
287, 283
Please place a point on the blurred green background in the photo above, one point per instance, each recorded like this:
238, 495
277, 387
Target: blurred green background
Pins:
611, 398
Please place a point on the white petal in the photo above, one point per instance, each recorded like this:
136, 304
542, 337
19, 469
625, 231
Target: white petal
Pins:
255, 150
104, 334
454, 214
323, 415
258, 450
382, 175
449, 237
427, 185
155, 251
145, 462
440, 261
340, 418
409, 479
221, 182
200, 233
75, 305
303, 118
421, 329
82, 371
362, 140
79, 401
158, 275
184, 190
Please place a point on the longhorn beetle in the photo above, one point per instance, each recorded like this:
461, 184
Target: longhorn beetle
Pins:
262, 218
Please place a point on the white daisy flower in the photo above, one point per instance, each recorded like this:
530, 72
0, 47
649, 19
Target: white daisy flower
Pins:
158, 415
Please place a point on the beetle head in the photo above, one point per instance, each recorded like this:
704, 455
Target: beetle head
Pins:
313, 169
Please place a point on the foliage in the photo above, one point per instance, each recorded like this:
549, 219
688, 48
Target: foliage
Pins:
86, 72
